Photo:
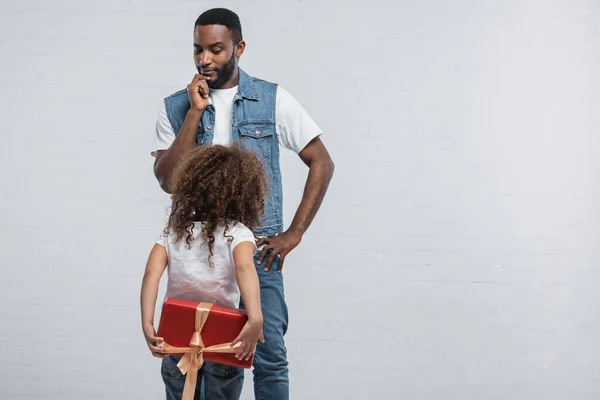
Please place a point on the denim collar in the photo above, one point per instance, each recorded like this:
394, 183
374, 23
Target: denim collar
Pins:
246, 88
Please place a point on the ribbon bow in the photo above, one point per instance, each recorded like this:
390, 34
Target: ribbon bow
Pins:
193, 357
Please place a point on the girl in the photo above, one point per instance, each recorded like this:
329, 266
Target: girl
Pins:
208, 246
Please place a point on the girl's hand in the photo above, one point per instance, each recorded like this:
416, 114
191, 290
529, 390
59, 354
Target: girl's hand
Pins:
154, 343
250, 334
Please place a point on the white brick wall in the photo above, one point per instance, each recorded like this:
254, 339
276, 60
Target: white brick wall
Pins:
455, 256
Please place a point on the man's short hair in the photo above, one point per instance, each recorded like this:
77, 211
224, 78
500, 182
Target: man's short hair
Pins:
222, 16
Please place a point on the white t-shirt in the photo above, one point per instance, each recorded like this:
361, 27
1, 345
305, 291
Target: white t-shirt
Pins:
190, 274
294, 127
222, 100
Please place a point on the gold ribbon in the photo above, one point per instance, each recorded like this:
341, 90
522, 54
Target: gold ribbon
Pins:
193, 357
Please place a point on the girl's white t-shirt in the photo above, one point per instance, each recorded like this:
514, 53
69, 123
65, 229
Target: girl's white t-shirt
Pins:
190, 275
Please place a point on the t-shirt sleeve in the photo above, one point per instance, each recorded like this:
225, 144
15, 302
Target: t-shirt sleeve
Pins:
161, 239
295, 128
240, 234
164, 133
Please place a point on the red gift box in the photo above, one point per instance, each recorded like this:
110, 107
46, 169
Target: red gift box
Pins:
220, 326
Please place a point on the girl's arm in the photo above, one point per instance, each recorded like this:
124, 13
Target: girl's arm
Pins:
155, 267
247, 279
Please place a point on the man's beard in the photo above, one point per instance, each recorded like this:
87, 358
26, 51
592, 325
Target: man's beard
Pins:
222, 74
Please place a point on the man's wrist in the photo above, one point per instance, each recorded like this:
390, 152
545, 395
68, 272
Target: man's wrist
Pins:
195, 113
295, 231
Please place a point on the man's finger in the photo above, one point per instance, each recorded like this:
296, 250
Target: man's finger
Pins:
200, 77
203, 89
263, 253
280, 266
262, 241
270, 260
200, 83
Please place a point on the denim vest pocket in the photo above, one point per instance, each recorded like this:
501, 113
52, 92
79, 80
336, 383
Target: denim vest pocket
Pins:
257, 138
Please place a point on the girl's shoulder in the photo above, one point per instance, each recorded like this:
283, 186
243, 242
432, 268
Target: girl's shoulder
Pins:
239, 233
238, 227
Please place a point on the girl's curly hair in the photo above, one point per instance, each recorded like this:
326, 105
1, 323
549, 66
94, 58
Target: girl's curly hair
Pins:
216, 186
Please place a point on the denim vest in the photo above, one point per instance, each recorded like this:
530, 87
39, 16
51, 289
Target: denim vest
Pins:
253, 124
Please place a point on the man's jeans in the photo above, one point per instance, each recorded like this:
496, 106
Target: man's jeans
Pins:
270, 360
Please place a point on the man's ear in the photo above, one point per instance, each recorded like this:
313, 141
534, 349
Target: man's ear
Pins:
239, 48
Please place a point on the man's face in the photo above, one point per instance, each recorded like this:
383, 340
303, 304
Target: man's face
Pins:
215, 54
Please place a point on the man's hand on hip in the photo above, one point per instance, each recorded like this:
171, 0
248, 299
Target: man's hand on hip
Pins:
281, 244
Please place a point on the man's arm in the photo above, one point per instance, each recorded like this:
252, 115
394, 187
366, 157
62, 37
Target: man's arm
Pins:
321, 168
166, 160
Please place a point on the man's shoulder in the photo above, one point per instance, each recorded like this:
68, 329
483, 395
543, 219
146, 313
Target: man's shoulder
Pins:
177, 94
176, 102
262, 82
282, 92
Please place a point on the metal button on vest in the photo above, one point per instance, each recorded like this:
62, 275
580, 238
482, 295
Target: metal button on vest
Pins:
209, 127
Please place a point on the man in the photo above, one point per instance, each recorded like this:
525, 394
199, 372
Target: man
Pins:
221, 105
